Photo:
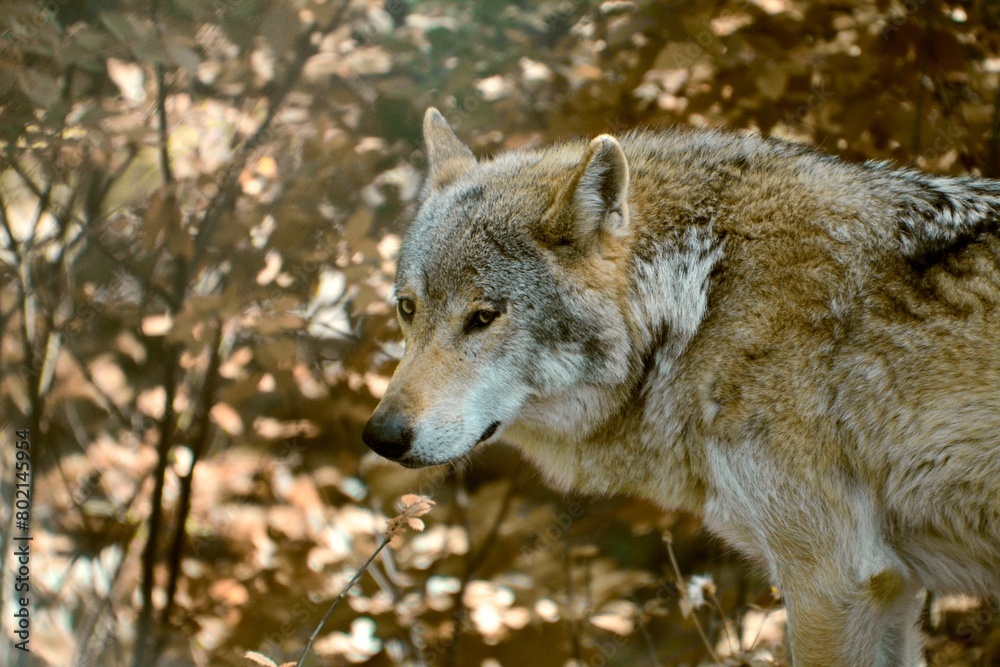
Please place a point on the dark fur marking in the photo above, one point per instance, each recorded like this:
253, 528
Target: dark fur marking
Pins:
471, 195
936, 252
637, 395
924, 222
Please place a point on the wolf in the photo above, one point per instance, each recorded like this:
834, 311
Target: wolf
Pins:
803, 351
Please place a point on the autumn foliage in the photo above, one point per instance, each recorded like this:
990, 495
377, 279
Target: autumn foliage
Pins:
200, 206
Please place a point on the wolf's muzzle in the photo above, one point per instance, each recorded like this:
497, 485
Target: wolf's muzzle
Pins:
388, 434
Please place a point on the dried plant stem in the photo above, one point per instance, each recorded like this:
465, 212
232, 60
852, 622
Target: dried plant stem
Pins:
343, 593
683, 593
725, 625
760, 628
385, 582
574, 621
650, 642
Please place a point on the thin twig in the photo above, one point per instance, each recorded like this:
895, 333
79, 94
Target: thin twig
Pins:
95, 240
760, 628
722, 617
669, 540
86, 631
106, 401
64, 226
413, 507
19, 170
650, 642
94, 203
574, 622
384, 580
343, 593
14, 245
96, 197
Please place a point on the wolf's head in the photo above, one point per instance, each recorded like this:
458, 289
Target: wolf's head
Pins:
508, 293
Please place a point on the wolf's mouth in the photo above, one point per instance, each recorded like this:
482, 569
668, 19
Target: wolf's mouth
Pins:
416, 462
413, 464
488, 433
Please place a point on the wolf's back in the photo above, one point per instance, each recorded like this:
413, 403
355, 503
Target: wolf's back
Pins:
714, 173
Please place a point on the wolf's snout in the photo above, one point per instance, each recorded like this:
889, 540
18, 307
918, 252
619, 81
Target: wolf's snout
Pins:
388, 434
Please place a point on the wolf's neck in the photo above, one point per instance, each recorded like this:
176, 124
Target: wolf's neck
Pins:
671, 282
670, 287
603, 438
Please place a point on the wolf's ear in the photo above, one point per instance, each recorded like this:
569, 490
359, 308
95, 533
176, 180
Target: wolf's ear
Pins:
447, 157
600, 194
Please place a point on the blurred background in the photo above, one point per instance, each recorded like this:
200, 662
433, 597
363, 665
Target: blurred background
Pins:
200, 206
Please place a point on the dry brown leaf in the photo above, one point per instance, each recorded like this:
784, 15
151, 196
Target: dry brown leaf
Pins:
157, 325
413, 506
260, 659
227, 418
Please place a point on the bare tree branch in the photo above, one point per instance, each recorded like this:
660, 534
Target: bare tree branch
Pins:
204, 431
225, 197
167, 428
14, 245
161, 111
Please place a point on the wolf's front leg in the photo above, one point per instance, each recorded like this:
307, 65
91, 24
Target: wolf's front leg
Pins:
836, 619
851, 600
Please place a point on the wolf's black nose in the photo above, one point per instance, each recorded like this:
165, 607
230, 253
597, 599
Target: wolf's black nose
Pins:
388, 434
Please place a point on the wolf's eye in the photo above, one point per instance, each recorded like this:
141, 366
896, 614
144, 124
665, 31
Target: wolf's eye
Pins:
406, 308
482, 319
